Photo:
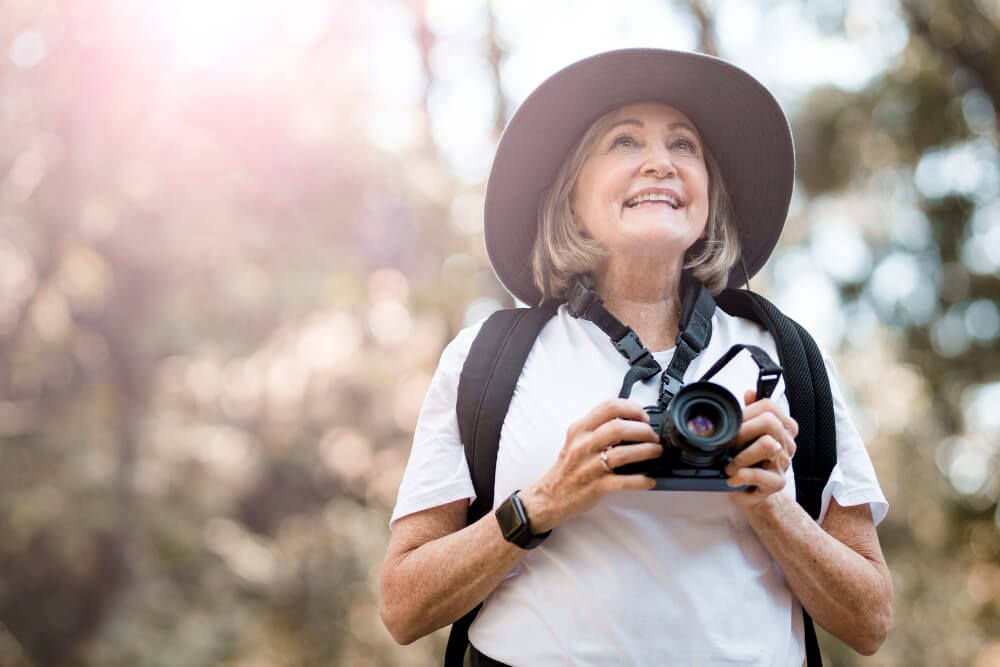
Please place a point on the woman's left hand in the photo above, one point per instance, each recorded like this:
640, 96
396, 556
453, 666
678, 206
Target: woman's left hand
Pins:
766, 441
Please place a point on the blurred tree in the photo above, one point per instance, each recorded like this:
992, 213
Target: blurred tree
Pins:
918, 146
197, 450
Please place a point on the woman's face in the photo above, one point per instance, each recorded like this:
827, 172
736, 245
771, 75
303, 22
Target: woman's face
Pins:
643, 188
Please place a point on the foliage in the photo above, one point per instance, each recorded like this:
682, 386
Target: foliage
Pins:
918, 146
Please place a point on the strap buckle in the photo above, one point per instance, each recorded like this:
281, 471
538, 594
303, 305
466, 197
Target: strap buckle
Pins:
766, 382
631, 347
669, 386
580, 299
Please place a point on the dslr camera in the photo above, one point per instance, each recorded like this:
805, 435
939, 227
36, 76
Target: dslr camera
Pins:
696, 425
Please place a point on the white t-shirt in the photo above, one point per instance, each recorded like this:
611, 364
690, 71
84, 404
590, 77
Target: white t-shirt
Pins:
644, 577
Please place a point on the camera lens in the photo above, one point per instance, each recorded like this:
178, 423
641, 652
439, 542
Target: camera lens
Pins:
704, 418
702, 425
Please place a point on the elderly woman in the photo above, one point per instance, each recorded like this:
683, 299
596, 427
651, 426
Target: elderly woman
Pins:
634, 167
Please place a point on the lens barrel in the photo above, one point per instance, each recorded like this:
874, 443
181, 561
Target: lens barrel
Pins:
702, 420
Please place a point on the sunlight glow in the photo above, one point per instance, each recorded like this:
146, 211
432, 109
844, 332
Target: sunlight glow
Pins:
249, 38
206, 34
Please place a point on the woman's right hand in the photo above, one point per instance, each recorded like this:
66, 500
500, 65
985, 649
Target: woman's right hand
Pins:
578, 479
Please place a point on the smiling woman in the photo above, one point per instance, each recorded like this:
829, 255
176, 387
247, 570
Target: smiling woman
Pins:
605, 182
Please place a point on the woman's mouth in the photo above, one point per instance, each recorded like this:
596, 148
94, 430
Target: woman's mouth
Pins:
653, 197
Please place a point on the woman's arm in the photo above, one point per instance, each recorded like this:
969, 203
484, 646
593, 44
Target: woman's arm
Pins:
836, 569
436, 569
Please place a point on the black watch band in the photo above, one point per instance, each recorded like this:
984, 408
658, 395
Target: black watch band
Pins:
514, 524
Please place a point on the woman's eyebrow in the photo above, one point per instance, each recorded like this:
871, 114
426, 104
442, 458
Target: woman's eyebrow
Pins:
677, 125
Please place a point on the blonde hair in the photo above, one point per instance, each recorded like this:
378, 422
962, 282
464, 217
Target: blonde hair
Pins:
561, 251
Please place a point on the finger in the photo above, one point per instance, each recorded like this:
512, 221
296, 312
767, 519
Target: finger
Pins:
765, 448
767, 423
783, 461
625, 454
628, 483
614, 408
620, 430
770, 405
765, 481
779, 462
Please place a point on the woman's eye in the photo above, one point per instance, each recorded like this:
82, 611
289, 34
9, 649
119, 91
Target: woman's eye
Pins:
623, 141
685, 145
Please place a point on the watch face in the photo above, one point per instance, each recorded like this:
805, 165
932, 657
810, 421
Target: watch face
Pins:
511, 518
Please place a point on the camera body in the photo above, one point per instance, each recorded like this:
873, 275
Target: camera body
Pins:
696, 424
696, 430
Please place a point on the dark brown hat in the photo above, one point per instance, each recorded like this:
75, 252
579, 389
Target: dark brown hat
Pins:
737, 117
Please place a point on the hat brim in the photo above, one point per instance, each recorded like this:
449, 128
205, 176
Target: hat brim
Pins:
737, 117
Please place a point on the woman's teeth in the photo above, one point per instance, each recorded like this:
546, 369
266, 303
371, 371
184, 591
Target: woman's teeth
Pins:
651, 197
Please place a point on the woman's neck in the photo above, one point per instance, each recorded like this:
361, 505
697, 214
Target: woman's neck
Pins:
647, 301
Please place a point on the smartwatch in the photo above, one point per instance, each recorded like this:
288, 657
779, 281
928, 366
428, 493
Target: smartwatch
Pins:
514, 524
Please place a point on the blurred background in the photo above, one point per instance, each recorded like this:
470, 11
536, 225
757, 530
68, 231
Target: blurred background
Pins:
235, 236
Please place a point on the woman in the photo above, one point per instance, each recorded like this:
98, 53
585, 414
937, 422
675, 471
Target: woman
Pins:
633, 166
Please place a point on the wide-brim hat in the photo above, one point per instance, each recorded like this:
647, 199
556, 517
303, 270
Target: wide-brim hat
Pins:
738, 119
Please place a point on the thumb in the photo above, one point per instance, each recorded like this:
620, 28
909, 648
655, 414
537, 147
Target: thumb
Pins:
749, 396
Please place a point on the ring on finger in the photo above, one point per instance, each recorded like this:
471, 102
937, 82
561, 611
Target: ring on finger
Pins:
604, 459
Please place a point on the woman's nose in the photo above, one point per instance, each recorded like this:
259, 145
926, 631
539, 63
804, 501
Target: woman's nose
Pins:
658, 163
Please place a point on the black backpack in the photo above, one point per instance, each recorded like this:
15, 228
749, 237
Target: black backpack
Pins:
494, 364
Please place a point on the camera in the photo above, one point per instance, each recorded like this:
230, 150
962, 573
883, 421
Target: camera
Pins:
696, 427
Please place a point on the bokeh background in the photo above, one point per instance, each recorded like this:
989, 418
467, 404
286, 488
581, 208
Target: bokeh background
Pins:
236, 234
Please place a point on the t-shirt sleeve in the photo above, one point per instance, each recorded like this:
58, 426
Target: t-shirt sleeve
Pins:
436, 472
852, 481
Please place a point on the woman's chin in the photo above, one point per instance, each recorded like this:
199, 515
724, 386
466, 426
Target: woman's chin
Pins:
653, 239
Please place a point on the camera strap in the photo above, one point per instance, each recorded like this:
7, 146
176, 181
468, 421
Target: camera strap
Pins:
767, 376
695, 330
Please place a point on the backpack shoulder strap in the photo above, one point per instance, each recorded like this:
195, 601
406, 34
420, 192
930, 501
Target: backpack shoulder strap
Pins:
485, 389
807, 387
